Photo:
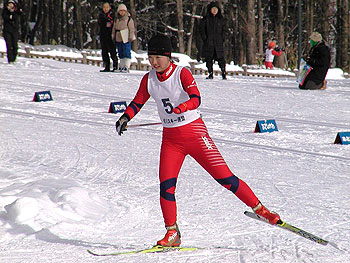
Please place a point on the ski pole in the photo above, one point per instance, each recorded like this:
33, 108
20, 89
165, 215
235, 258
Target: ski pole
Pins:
143, 124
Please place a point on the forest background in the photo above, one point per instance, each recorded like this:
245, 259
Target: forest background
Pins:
251, 24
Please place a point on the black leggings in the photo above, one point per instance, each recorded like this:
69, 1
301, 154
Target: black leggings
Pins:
11, 45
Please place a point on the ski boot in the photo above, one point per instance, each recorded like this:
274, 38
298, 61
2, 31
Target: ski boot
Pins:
172, 237
210, 76
265, 214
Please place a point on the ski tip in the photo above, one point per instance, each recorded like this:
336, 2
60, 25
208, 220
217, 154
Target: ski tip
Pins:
92, 253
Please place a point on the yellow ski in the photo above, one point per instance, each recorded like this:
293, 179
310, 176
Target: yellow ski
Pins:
154, 249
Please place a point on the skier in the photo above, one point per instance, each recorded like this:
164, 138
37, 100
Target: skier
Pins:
184, 133
271, 52
10, 14
319, 58
105, 21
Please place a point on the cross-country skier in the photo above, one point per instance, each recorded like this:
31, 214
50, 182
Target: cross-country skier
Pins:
184, 133
270, 54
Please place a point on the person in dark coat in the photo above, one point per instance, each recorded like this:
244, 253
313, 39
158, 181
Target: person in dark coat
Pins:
319, 59
10, 14
106, 21
212, 33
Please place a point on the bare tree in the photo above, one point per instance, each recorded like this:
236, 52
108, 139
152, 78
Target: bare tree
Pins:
280, 61
78, 25
343, 34
134, 17
189, 41
250, 29
180, 19
260, 43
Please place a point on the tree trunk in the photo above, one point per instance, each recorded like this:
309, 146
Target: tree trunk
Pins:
45, 24
251, 48
343, 34
78, 30
260, 28
180, 19
325, 7
56, 21
189, 41
134, 17
280, 61
69, 23
38, 23
309, 22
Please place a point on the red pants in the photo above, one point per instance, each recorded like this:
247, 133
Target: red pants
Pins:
268, 65
193, 139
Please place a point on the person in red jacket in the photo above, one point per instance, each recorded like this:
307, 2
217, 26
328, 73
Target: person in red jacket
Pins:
271, 52
184, 133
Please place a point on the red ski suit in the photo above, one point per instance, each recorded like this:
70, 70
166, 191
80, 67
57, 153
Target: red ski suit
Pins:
270, 54
189, 139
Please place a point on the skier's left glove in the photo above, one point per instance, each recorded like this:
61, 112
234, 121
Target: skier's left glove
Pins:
121, 125
181, 108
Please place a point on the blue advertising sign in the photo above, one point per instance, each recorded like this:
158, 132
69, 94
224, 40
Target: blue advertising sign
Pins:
116, 107
343, 138
266, 126
42, 96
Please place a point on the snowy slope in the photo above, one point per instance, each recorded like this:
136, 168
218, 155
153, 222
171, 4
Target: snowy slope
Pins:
69, 183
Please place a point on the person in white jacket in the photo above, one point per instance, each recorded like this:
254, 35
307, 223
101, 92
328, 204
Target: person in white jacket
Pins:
123, 33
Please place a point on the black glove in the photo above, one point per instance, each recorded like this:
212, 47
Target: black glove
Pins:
277, 49
283, 49
121, 124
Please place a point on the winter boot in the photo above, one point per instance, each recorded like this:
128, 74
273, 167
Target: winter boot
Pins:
210, 76
106, 69
172, 237
127, 64
265, 214
115, 67
223, 74
121, 65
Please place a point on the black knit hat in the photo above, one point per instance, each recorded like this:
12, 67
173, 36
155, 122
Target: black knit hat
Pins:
159, 45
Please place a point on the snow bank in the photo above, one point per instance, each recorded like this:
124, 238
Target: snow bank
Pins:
45, 203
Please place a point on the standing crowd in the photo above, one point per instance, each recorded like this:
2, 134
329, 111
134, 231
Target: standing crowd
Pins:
117, 31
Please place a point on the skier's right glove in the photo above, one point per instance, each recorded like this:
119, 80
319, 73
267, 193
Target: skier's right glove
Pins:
181, 108
121, 125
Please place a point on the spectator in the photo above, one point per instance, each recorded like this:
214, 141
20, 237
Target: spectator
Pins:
105, 21
271, 52
212, 34
319, 58
124, 33
10, 14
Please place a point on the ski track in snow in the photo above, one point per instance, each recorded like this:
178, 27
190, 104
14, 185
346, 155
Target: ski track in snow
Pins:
69, 183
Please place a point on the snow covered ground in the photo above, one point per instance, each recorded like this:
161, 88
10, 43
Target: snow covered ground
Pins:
69, 183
